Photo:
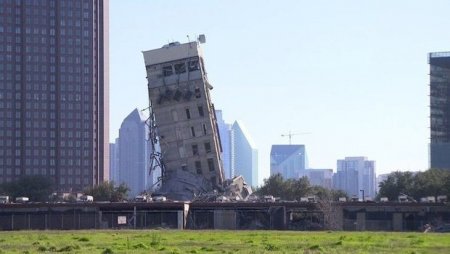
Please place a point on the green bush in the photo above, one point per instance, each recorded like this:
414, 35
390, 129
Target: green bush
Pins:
83, 239
107, 251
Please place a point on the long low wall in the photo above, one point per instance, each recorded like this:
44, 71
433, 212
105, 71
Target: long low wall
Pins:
231, 216
93, 216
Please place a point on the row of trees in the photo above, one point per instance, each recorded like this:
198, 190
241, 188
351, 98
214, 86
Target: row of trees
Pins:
294, 189
107, 191
37, 188
40, 189
433, 182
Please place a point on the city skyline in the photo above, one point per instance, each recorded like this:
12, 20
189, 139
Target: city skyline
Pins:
358, 85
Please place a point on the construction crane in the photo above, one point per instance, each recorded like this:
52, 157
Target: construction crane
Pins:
290, 134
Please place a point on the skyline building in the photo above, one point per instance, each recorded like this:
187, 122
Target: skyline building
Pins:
354, 175
225, 140
114, 161
134, 154
439, 150
321, 177
54, 89
244, 155
290, 161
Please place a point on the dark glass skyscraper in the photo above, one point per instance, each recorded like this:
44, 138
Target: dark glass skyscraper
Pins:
440, 109
54, 91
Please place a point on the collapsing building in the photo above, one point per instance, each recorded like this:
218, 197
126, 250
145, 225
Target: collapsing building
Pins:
182, 120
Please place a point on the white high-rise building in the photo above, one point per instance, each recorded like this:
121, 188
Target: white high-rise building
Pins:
225, 140
244, 155
114, 161
356, 175
134, 154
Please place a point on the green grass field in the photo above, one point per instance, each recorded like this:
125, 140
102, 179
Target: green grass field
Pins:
163, 241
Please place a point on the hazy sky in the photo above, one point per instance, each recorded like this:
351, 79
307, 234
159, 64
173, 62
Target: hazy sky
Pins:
352, 73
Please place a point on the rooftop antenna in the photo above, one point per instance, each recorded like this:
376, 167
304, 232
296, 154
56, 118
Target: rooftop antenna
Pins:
290, 134
189, 40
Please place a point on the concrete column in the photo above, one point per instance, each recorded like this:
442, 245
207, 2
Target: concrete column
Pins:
135, 217
180, 219
361, 221
397, 222
338, 217
99, 219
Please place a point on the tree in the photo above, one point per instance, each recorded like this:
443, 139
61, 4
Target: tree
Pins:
432, 182
297, 188
36, 188
107, 192
120, 193
336, 194
294, 189
396, 183
290, 189
274, 185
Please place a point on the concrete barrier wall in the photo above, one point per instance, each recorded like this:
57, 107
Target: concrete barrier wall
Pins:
241, 216
225, 219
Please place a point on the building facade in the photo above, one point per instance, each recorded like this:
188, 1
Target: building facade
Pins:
356, 175
288, 160
134, 154
439, 110
182, 114
321, 177
54, 91
244, 155
114, 161
225, 140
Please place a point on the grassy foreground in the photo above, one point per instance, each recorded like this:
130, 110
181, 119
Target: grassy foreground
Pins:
168, 241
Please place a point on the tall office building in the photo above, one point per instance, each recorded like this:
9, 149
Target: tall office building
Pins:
114, 161
244, 155
54, 91
321, 177
225, 140
134, 154
288, 160
439, 110
355, 175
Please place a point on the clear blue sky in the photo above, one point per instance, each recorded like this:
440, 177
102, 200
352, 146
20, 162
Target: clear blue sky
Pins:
353, 73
